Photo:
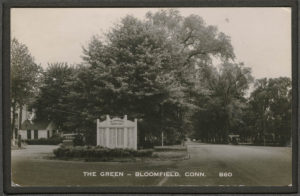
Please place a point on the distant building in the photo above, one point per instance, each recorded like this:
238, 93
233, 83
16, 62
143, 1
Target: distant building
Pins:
20, 116
23, 115
37, 129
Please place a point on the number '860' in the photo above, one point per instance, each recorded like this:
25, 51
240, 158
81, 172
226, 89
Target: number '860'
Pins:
225, 174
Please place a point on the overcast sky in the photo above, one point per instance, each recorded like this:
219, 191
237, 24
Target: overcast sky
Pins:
261, 37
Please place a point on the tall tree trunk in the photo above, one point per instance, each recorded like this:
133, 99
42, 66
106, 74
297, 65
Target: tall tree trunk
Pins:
20, 117
19, 127
13, 123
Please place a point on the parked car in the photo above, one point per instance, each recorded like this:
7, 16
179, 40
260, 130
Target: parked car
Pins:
234, 139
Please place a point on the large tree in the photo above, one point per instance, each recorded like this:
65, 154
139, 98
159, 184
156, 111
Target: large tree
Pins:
49, 102
24, 78
270, 105
146, 68
222, 104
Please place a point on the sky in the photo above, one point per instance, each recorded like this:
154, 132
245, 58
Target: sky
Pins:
261, 37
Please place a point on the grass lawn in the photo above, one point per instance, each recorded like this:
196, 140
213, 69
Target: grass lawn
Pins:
43, 169
249, 165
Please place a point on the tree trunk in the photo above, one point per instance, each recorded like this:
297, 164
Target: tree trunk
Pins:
13, 123
19, 127
20, 118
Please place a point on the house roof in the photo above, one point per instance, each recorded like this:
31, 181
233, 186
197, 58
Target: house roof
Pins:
35, 125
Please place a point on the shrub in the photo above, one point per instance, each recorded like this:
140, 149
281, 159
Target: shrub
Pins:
99, 152
45, 141
78, 140
144, 153
146, 144
170, 148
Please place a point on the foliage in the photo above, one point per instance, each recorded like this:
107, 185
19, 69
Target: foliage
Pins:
162, 71
24, 76
222, 105
24, 73
144, 69
49, 103
45, 141
170, 148
78, 140
99, 152
270, 107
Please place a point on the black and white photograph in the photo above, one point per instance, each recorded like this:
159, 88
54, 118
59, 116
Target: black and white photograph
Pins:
151, 97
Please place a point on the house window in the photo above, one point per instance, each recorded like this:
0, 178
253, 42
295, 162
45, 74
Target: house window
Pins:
48, 134
36, 134
29, 134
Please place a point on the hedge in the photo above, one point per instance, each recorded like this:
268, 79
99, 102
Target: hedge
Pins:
44, 141
98, 152
170, 148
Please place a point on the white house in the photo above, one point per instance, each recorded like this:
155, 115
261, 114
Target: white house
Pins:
117, 133
20, 116
37, 129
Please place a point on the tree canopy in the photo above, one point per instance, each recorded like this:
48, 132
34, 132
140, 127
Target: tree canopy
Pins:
49, 102
24, 77
271, 108
24, 73
162, 70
